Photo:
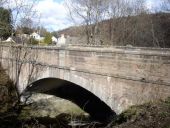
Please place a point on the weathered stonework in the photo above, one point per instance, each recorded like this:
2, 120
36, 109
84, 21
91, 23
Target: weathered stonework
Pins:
120, 76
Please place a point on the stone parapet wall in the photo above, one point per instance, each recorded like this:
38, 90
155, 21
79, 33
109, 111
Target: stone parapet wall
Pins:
141, 64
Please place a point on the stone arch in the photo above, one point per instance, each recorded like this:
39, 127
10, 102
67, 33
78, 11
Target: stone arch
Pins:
86, 100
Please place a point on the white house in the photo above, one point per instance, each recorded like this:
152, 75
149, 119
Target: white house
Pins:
36, 36
9, 40
61, 40
54, 39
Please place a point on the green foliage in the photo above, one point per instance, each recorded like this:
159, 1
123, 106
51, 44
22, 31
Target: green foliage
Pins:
5, 22
48, 38
32, 41
56, 34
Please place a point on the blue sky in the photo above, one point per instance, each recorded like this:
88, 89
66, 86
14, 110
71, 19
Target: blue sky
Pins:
53, 13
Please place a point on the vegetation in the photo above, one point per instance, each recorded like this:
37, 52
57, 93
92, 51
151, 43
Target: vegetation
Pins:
17, 19
48, 38
32, 41
25, 27
120, 22
149, 115
144, 30
5, 23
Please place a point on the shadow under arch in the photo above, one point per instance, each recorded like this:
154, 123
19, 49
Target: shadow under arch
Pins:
86, 100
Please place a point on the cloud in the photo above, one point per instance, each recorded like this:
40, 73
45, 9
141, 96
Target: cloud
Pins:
153, 5
53, 14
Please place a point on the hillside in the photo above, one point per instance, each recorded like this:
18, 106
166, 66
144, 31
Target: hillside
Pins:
144, 30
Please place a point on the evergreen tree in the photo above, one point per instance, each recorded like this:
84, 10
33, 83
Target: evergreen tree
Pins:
5, 23
48, 38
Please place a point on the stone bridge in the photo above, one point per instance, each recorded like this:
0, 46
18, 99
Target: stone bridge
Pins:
119, 76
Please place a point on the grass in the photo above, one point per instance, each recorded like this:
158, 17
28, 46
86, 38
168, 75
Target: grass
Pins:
154, 114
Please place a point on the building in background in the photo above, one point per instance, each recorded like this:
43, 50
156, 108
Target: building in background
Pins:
37, 36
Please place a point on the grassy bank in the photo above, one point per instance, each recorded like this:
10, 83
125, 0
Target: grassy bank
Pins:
149, 115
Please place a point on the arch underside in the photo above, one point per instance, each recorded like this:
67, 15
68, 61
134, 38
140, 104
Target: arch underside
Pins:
86, 100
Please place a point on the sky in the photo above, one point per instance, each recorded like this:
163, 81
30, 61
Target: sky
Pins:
52, 14
153, 4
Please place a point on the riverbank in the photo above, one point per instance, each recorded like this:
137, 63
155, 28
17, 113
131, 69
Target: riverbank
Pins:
149, 115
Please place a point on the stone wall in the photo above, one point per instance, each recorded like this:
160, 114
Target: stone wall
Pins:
120, 76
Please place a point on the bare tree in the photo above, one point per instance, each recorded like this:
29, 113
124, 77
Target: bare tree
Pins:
20, 9
166, 5
2, 2
125, 20
87, 13
119, 22
92, 12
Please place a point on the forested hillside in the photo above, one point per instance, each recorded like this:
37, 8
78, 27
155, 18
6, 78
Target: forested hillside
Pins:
144, 30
